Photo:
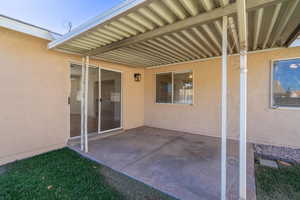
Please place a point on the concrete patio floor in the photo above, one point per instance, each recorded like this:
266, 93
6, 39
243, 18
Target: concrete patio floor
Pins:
185, 166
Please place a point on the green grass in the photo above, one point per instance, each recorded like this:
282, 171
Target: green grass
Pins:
61, 174
278, 184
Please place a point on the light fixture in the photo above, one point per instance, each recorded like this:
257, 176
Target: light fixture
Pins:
137, 77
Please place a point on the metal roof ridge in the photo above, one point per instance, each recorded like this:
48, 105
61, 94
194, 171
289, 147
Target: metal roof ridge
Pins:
28, 24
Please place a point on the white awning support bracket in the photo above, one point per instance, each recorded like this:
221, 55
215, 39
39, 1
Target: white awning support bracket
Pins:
224, 108
242, 24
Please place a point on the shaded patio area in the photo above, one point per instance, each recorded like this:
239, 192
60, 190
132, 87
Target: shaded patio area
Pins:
185, 166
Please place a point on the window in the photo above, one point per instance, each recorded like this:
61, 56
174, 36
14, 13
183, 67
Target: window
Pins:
183, 88
286, 83
174, 87
164, 88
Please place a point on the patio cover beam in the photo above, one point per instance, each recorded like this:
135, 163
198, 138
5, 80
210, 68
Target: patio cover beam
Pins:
271, 26
284, 20
294, 36
212, 15
242, 26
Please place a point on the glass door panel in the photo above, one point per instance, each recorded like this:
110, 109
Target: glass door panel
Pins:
75, 100
93, 100
110, 100
102, 115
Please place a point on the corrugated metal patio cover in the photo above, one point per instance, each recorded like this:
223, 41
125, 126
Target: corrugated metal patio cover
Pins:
146, 33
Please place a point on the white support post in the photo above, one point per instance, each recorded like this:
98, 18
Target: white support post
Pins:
99, 100
86, 104
82, 82
243, 125
224, 109
242, 19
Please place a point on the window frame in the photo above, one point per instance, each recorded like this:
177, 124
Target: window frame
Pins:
172, 74
272, 106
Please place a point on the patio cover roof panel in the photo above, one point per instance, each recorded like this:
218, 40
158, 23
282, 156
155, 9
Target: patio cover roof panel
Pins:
158, 32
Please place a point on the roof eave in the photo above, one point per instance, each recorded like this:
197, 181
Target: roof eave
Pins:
23, 27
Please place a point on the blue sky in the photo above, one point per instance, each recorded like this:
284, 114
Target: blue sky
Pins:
55, 14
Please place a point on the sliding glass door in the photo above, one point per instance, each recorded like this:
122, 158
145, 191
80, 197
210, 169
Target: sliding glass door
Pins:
93, 100
103, 102
110, 117
75, 100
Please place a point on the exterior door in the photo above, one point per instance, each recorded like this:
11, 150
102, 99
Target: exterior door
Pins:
75, 100
93, 100
110, 96
103, 107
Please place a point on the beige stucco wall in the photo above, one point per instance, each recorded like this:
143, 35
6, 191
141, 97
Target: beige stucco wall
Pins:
265, 125
35, 84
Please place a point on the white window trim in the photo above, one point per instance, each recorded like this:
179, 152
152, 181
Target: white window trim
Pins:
172, 73
272, 106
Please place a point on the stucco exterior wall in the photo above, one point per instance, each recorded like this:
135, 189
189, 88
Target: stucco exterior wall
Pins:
265, 125
35, 84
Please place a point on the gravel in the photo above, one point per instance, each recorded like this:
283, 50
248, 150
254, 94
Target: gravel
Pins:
278, 153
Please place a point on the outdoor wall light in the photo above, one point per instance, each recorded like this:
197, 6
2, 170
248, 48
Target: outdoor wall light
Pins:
137, 77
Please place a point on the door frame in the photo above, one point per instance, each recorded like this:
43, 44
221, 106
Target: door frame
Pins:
99, 103
69, 96
121, 101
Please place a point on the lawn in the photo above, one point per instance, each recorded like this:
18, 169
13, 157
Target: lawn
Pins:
278, 184
60, 174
